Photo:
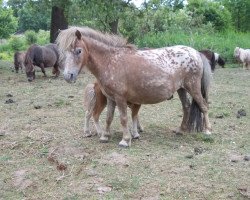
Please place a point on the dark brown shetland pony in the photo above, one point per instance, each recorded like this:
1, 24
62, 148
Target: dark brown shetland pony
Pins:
214, 58
43, 57
19, 57
139, 77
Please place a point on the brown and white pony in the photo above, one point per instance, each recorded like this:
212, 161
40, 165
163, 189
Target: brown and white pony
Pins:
19, 57
43, 57
242, 56
126, 74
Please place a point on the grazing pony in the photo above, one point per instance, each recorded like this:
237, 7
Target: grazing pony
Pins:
43, 57
95, 101
214, 58
19, 57
242, 56
127, 75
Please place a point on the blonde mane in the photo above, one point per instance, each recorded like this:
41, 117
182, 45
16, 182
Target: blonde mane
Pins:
67, 37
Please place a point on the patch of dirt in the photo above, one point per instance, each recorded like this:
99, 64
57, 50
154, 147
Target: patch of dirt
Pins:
115, 159
20, 180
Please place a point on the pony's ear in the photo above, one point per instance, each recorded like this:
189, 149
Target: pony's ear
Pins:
78, 34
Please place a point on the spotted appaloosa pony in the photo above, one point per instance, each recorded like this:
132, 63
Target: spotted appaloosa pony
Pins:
126, 74
214, 58
43, 57
242, 56
19, 57
95, 101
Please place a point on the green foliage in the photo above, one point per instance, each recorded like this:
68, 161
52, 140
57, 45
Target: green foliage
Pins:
43, 37
223, 43
31, 37
16, 43
8, 23
240, 11
212, 12
34, 15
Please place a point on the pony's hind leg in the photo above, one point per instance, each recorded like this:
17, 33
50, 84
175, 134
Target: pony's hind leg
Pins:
135, 120
110, 115
202, 104
185, 107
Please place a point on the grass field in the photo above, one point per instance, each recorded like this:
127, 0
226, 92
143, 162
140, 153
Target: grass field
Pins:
43, 154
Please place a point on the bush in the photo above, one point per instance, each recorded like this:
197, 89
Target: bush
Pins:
31, 37
43, 37
16, 43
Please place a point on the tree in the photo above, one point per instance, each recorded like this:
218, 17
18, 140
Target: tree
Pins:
240, 11
8, 23
212, 12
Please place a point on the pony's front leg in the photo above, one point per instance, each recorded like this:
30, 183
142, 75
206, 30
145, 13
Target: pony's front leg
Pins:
43, 70
135, 121
110, 115
126, 139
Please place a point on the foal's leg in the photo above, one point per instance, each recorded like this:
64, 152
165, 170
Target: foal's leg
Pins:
88, 115
135, 121
185, 107
110, 115
101, 102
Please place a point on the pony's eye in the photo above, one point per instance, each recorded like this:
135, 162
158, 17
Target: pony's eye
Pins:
78, 51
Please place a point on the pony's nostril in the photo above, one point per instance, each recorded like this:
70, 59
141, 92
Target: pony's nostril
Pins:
71, 76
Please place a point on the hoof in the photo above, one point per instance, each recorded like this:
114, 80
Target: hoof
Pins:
178, 131
140, 129
123, 144
104, 139
87, 134
136, 136
207, 132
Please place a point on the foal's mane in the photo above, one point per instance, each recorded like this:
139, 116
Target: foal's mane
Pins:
67, 37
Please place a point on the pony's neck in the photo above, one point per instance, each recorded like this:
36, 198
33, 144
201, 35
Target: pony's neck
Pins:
99, 56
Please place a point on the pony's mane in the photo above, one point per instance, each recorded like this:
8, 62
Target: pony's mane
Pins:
67, 37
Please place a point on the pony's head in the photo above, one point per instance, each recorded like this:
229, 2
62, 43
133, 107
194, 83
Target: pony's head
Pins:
29, 68
236, 52
75, 58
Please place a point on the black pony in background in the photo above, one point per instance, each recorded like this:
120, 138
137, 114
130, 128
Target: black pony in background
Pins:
214, 58
43, 57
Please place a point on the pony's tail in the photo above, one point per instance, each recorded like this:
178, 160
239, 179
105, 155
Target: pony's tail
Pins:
195, 121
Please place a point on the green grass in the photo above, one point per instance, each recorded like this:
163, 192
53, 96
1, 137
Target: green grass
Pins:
223, 43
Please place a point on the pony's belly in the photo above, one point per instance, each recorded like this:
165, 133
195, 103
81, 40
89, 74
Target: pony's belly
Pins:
150, 96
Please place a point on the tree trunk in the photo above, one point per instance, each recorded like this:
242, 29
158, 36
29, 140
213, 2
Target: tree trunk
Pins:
114, 26
58, 22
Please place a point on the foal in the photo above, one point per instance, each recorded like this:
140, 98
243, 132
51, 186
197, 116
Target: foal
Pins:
95, 101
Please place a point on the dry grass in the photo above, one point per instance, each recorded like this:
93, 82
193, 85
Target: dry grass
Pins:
44, 155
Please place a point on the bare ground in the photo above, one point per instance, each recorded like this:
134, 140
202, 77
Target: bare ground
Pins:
43, 154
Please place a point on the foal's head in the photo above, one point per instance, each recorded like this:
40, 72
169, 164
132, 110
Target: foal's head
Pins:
75, 58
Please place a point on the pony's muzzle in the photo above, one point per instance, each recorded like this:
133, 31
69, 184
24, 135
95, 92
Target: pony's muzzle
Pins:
70, 77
